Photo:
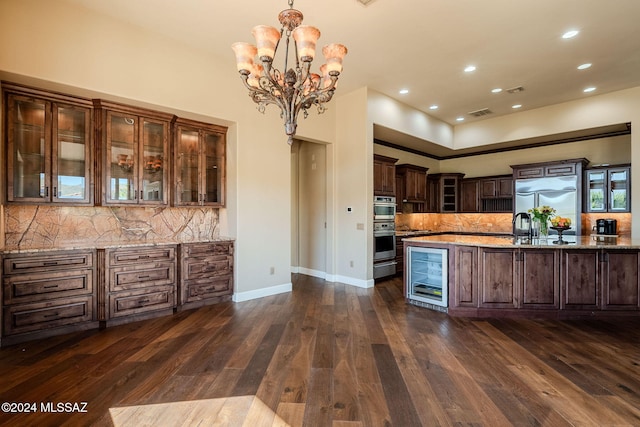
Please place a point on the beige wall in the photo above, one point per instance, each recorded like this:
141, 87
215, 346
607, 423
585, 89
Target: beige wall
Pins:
58, 46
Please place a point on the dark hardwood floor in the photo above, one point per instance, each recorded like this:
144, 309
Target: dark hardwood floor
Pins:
328, 354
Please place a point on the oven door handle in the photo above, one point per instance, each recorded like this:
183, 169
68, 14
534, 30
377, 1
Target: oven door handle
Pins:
383, 233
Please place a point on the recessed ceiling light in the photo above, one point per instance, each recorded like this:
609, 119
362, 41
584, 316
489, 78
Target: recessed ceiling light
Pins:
404, 91
460, 119
433, 107
584, 66
496, 90
589, 89
516, 106
570, 34
470, 68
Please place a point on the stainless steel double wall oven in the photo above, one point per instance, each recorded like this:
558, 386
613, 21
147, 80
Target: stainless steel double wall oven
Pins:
384, 236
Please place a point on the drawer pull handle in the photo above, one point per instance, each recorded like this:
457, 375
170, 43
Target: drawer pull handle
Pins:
50, 263
143, 277
56, 314
143, 301
143, 256
51, 286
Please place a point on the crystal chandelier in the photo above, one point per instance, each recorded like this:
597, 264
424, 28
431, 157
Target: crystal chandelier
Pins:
298, 88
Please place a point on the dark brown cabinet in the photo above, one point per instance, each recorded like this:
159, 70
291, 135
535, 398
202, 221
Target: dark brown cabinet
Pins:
555, 168
443, 192
498, 286
200, 164
206, 274
465, 280
580, 279
135, 153
49, 147
411, 188
608, 189
470, 195
47, 294
384, 175
496, 187
620, 279
138, 283
538, 278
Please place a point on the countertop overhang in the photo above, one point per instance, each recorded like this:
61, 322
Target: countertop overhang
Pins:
502, 241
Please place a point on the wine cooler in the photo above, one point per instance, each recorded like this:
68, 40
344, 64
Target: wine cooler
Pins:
427, 276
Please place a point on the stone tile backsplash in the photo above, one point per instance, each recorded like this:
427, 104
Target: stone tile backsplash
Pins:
52, 226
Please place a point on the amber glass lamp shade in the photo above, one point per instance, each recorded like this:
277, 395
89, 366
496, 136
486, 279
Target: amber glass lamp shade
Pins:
245, 53
334, 53
306, 37
266, 39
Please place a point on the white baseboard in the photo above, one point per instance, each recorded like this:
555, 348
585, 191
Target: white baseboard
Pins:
261, 293
350, 281
313, 273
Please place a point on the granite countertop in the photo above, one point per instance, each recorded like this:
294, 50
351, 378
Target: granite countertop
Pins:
497, 241
79, 245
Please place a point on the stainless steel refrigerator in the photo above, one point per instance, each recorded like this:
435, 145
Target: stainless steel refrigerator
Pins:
561, 193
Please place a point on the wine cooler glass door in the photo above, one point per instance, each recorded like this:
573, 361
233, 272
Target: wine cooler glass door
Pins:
427, 280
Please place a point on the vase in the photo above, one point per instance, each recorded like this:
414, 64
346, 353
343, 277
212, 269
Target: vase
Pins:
544, 229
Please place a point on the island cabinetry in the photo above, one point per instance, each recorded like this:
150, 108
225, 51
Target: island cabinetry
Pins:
465, 279
49, 145
498, 278
384, 175
580, 280
206, 273
620, 280
47, 294
134, 149
139, 282
539, 278
200, 164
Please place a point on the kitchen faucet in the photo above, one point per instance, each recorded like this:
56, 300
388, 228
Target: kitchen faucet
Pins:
524, 216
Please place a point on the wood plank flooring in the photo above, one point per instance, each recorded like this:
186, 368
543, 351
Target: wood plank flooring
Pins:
328, 354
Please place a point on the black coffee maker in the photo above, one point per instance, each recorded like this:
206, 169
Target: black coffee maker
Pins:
606, 226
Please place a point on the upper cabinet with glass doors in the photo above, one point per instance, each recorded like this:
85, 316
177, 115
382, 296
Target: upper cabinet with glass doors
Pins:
200, 161
49, 147
135, 144
608, 189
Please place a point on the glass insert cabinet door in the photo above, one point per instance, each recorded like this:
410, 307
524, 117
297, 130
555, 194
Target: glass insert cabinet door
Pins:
49, 155
200, 165
137, 148
619, 190
597, 191
122, 139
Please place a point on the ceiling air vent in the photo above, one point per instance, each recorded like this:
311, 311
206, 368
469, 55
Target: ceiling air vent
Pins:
480, 113
365, 2
516, 89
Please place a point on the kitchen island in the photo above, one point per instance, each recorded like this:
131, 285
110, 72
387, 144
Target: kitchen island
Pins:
499, 276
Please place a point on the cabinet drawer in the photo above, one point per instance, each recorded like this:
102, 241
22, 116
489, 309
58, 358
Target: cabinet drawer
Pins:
137, 255
129, 303
141, 276
197, 268
21, 318
203, 289
44, 286
20, 264
204, 249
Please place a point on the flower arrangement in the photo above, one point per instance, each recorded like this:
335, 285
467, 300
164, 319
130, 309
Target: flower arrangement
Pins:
542, 214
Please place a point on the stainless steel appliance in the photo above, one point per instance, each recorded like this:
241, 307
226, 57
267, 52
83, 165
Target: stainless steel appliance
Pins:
560, 193
427, 276
384, 236
384, 208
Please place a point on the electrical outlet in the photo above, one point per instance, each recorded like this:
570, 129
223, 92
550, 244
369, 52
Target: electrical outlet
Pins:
351, 264
272, 270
